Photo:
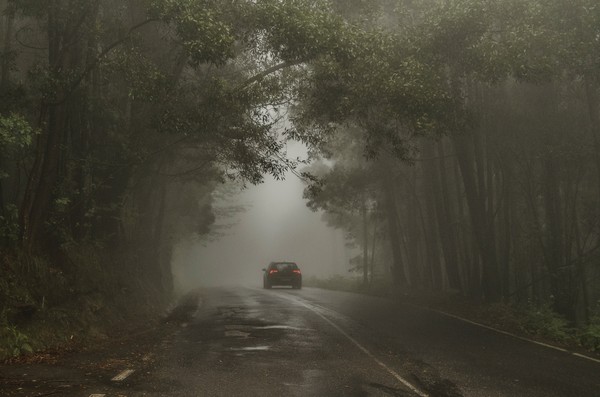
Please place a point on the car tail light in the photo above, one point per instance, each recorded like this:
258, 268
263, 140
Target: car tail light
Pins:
296, 271
273, 271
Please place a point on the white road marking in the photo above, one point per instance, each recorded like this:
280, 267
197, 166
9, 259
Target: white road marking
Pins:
560, 349
358, 345
586, 357
123, 375
97, 395
283, 327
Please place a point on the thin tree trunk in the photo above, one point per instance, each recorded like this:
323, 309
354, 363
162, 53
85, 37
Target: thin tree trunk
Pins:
9, 17
373, 244
398, 274
365, 233
447, 221
484, 234
593, 104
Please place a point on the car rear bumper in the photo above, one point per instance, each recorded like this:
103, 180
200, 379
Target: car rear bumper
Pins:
284, 280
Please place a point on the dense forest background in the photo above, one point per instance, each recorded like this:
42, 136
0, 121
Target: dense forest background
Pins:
495, 112
458, 142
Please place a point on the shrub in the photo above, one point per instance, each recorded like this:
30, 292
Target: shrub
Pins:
13, 342
545, 322
590, 335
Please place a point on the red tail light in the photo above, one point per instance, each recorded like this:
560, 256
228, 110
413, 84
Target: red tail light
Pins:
296, 271
273, 271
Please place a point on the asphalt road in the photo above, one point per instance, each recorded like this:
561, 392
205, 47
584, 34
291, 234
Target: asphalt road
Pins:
311, 342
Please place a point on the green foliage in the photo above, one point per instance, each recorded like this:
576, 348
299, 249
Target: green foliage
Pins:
589, 337
202, 26
545, 322
15, 132
302, 30
14, 341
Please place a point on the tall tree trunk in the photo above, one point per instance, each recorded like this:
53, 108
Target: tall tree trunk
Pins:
414, 236
470, 264
560, 275
398, 273
469, 156
372, 261
42, 181
446, 220
365, 233
505, 233
9, 17
593, 104
433, 219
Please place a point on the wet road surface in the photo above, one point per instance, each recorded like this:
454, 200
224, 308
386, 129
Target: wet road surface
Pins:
312, 342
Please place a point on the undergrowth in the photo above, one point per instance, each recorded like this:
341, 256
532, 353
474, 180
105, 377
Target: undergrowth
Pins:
14, 342
589, 337
81, 297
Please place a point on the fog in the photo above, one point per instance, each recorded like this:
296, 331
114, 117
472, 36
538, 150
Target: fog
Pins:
276, 225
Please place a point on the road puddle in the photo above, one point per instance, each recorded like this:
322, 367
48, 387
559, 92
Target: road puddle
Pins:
282, 327
251, 348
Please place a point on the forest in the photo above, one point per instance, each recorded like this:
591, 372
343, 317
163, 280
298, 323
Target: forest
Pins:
457, 142
479, 155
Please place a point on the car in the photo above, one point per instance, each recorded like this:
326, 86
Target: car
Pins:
282, 273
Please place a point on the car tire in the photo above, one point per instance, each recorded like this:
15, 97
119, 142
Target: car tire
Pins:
266, 285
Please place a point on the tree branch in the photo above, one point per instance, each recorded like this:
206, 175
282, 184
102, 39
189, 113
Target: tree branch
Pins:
268, 71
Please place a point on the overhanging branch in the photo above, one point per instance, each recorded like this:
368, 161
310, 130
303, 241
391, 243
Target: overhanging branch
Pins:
268, 71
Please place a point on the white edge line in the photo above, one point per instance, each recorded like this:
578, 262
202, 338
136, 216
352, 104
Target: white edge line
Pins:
586, 357
123, 375
504, 332
361, 347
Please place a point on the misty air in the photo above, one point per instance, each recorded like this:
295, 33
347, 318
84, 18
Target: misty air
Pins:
322, 198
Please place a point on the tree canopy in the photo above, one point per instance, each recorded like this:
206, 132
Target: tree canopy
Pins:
467, 130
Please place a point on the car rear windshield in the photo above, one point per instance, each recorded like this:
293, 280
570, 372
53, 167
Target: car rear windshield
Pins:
282, 267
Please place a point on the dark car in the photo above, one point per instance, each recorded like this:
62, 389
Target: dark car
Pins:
282, 273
